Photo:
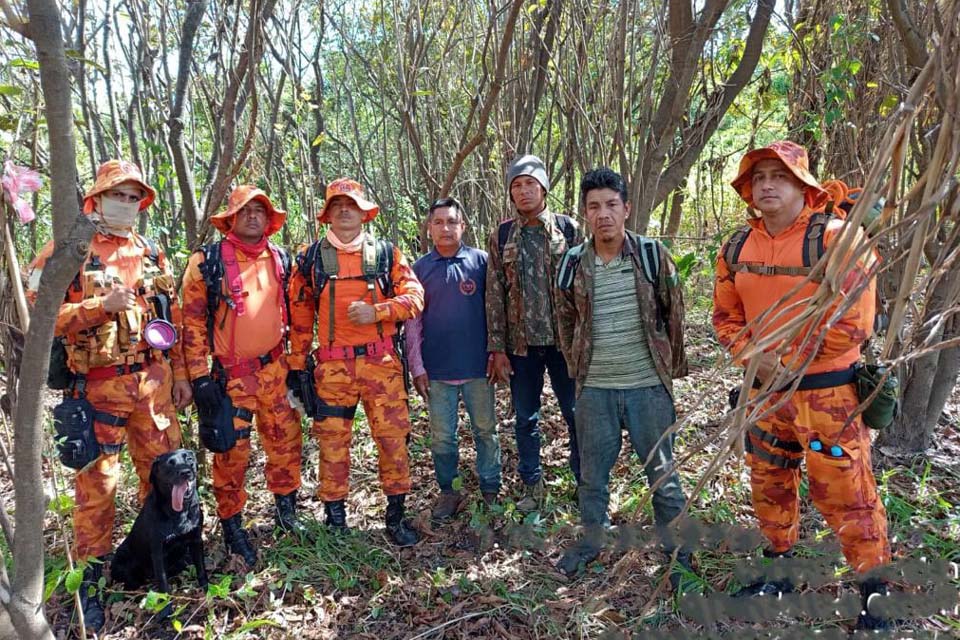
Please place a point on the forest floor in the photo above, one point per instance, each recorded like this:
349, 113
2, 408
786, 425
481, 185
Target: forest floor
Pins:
491, 574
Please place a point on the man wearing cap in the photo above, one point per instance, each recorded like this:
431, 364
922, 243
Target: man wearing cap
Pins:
525, 252
758, 266
447, 349
243, 326
355, 289
118, 322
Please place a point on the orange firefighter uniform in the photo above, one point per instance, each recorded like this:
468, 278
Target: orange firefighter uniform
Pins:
120, 374
356, 362
810, 424
248, 343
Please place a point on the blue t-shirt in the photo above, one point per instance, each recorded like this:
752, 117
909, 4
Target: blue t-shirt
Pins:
454, 318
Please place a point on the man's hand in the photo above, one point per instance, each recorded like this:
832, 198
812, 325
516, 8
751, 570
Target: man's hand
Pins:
182, 394
360, 312
498, 368
767, 368
119, 299
422, 384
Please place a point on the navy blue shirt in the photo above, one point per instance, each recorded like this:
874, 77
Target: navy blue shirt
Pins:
454, 318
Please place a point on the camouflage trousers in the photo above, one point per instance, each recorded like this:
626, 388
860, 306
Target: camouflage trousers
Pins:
842, 487
144, 399
264, 393
377, 381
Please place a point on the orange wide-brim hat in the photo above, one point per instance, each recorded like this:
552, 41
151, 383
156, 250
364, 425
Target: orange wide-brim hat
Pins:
353, 190
113, 173
238, 199
794, 157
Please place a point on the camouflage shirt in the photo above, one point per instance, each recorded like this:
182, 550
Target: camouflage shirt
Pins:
537, 309
661, 311
506, 304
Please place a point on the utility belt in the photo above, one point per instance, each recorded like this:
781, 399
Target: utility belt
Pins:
135, 363
823, 380
373, 349
240, 367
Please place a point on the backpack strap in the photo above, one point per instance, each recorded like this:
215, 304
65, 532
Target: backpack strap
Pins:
211, 269
731, 252
650, 259
567, 228
568, 267
281, 257
503, 232
153, 251
231, 271
813, 248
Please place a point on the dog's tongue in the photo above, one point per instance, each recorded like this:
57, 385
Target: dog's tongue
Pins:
176, 495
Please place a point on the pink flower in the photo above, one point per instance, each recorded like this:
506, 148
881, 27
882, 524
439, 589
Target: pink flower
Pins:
16, 181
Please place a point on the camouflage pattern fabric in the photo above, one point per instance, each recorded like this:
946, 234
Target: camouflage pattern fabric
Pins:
264, 393
506, 304
144, 398
665, 339
377, 382
537, 312
842, 488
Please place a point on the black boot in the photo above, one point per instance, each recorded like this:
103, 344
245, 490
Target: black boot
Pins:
237, 541
400, 533
90, 602
768, 586
286, 515
336, 515
872, 593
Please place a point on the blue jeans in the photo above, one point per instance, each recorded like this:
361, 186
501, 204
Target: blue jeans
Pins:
526, 385
481, 406
645, 413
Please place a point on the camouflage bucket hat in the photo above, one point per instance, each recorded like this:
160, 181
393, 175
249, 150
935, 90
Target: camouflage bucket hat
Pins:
238, 199
115, 172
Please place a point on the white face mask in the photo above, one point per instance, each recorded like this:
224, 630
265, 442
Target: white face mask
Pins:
118, 215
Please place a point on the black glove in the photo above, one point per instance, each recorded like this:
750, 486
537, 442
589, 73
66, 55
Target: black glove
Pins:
300, 383
207, 396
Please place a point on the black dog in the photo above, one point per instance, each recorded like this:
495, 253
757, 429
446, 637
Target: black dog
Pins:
167, 533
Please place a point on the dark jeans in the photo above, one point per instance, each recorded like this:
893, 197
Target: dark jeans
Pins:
526, 385
602, 415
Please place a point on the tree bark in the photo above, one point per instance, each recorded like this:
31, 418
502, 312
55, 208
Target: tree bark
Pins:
191, 209
23, 597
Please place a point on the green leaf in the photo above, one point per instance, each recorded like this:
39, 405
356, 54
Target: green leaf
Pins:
74, 580
854, 67
10, 90
318, 140
155, 602
177, 626
23, 63
457, 483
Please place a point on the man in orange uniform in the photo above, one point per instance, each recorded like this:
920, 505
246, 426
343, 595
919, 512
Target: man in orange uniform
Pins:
754, 271
135, 390
358, 288
243, 326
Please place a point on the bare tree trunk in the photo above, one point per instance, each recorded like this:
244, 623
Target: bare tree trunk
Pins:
191, 209
22, 597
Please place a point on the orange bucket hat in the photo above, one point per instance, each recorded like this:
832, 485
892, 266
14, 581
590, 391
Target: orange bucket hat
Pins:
115, 172
238, 199
794, 157
352, 189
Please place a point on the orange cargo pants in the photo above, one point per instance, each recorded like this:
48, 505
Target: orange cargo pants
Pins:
263, 393
842, 487
377, 381
144, 399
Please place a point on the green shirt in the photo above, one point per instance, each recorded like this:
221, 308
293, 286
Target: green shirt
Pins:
621, 356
